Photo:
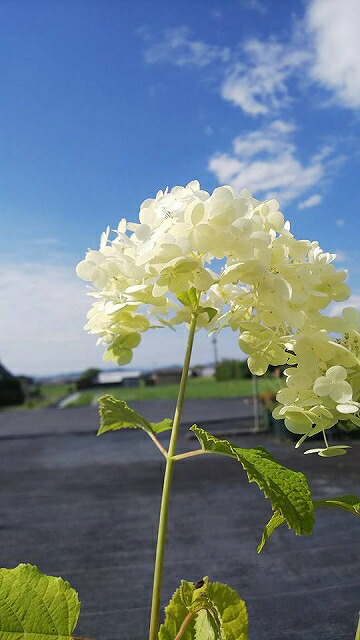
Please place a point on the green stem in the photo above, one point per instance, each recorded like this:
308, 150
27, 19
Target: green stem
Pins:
164, 508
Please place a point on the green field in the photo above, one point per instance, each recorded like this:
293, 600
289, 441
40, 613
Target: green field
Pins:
54, 393
197, 388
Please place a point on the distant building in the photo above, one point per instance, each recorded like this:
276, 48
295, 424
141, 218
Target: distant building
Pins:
171, 375
121, 378
203, 371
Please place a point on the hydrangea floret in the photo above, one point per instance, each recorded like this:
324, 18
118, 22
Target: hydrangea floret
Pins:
271, 288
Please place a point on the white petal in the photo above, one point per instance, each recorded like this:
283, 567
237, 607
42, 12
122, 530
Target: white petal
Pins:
341, 392
322, 386
330, 452
336, 373
347, 408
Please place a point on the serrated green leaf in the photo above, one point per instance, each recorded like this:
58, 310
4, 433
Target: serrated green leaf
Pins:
35, 605
288, 491
232, 611
115, 414
189, 299
211, 312
175, 614
186, 592
212, 611
206, 627
200, 601
276, 520
159, 427
348, 503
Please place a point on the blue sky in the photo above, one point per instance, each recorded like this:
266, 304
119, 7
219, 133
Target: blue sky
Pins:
104, 102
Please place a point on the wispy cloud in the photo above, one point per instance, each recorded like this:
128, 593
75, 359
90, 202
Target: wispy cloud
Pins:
333, 26
178, 47
310, 202
266, 162
259, 85
259, 77
323, 49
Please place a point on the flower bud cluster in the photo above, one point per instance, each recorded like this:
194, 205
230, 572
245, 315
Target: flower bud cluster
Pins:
270, 287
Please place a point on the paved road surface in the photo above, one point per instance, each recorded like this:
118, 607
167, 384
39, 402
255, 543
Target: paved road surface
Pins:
86, 419
86, 508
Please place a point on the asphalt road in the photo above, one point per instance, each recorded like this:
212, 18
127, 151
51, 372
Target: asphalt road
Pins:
86, 508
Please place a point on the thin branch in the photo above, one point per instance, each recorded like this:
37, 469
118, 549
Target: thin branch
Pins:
157, 443
189, 454
184, 624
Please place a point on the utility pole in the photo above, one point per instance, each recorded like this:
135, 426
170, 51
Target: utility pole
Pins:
256, 407
216, 357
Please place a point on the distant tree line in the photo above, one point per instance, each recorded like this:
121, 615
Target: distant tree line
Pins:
238, 369
11, 389
231, 370
87, 378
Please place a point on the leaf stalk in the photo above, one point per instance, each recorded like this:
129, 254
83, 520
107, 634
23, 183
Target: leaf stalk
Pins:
184, 624
158, 444
189, 454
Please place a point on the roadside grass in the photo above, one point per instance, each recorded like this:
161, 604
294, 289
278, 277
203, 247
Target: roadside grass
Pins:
54, 393
197, 388
85, 398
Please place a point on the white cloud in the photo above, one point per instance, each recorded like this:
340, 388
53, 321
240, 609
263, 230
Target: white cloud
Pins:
334, 28
323, 48
312, 201
265, 161
176, 46
340, 222
260, 85
274, 138
42, 316
327, 52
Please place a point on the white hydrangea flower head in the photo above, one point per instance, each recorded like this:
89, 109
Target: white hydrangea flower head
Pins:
271, 288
